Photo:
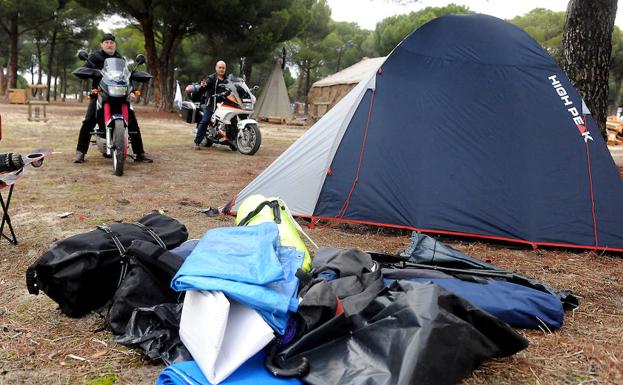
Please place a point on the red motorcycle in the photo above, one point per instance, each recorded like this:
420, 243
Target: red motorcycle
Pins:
113, 104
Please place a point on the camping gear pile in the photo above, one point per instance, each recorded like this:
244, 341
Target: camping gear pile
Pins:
248, 303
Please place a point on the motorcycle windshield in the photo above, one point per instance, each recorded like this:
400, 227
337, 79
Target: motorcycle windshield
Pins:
241, 92
115, 71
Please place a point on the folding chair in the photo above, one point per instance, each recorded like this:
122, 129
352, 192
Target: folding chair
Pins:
8, 180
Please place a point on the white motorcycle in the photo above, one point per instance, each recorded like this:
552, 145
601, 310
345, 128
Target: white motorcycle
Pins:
230, 124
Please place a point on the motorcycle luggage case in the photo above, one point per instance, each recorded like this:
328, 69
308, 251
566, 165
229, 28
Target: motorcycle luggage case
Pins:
189, 112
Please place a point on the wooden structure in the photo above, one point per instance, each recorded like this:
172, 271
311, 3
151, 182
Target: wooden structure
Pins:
37, 102
275, 120
614, 129
325, 93
17, 96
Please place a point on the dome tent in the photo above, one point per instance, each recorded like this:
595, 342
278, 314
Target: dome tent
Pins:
469, 128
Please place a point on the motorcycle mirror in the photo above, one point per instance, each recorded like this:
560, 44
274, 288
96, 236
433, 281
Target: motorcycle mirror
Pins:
83, 55
255, 88
140, 59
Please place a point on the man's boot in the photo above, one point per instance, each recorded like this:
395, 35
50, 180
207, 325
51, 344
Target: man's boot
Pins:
142, 158
79, 157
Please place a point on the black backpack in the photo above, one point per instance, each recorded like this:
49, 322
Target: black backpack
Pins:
147, 283
81, 273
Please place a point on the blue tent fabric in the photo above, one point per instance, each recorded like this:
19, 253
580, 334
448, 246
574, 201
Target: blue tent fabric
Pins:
517, 305
470, 130
252, 372
248, 280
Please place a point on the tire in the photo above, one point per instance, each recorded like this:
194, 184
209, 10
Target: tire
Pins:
207, 142
120, 144
249, 139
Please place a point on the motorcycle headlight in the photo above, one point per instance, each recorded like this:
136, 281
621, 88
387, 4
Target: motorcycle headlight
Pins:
117, 91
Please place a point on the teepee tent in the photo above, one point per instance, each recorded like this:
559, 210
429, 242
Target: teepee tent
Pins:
468, 128
274, 100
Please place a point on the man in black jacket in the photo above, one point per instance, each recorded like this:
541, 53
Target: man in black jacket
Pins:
209, 86
96, 60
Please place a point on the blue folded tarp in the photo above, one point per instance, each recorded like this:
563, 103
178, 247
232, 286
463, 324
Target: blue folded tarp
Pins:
517, 305
247, 264
252, 372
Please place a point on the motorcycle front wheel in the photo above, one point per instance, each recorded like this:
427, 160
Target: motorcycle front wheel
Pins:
119, 147
249, 139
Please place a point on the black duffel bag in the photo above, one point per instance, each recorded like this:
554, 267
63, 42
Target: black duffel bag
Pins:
81, 273
147, 283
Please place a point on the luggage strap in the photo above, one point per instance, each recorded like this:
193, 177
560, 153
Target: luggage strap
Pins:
274, 205
113, 235
153, 234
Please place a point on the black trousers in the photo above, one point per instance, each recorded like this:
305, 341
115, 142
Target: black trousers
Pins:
89, 123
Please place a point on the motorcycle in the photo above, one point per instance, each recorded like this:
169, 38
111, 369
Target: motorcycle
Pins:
113, 104
230, 124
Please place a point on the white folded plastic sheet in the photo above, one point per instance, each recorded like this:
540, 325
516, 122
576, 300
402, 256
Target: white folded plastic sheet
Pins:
221, 334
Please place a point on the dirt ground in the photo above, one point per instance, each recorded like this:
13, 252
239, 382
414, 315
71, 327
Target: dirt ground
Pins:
39, 345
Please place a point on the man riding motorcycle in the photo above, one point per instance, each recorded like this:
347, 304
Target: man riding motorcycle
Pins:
209, 86
96, 60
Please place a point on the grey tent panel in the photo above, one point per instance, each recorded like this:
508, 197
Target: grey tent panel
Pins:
298, 174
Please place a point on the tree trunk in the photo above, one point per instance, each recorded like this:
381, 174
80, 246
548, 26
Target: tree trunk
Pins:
56, 82
586, 52
167, 59
146, 91
339, 59
299, 89
151, 53
64, 83
160, 88
39, 61
51, 60
2, 80
307, 84
82, 88
248, 70
12, 68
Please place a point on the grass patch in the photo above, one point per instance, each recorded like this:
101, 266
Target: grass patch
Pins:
108, 379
